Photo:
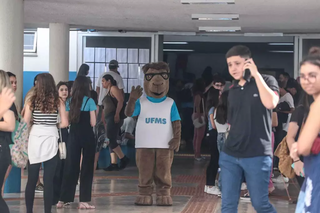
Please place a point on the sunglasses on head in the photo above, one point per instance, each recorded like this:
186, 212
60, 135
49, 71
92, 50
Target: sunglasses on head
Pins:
164, 75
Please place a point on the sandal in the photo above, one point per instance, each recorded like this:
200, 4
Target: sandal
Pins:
83, 205
60, 205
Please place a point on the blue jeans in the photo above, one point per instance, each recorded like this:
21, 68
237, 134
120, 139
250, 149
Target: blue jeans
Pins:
220, 140
256, 170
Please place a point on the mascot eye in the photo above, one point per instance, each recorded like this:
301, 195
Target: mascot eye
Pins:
148, 77
165, 76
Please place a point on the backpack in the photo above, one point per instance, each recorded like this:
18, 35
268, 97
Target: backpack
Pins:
19, 148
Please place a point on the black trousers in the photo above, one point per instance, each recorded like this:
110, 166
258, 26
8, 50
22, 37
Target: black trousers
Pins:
78, 143
112, 131
213, 166
3, 169
48, 175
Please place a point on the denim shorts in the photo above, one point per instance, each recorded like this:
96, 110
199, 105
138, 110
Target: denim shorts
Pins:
220, 141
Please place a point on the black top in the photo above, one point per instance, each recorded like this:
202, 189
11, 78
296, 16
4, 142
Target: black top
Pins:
5, 137
250, 122
298, 117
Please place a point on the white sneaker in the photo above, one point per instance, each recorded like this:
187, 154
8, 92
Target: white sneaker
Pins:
214, 191
280, 179
243, 186
206, 188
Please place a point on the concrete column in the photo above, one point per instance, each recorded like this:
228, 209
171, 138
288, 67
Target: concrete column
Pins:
59, 51
11, 41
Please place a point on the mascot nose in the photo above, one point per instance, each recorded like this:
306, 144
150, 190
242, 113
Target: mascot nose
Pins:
157, 85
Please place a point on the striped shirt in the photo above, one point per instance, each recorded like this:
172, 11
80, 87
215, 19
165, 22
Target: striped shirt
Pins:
40, 118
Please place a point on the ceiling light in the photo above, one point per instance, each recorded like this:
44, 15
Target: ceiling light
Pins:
281, 51
207, 1
177, 50
281, 44
215, 17
175, 42
264, 34
219, 29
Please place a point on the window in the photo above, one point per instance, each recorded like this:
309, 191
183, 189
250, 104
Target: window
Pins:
30, 42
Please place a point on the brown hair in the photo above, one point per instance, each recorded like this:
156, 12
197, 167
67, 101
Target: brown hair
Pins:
156, 66
313, 57
45, 96
239, 50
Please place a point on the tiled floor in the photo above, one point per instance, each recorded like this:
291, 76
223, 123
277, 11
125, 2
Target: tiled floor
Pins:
114, 192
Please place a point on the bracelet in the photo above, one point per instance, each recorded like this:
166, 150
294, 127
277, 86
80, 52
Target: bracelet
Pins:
296, 161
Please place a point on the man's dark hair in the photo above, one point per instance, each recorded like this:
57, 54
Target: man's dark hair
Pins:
239, 50
285, 74
10, 74
219, 79
156, 66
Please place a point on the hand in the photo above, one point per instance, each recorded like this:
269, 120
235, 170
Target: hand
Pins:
294, 151
174, 144
116, 118
136, 93
249, 64
298, 168
7, 98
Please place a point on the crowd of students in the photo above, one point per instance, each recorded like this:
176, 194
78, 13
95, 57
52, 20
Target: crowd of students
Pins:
271, 110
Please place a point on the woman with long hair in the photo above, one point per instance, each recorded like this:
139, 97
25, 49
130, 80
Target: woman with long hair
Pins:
308, 144
112, 111
212, 169
43, 107
220, 120
82, 119
7, 126
63, 91
198, 117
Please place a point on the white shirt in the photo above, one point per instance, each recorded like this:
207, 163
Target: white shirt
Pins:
128, 126
221, 128
154, 126
103, 91
289, 99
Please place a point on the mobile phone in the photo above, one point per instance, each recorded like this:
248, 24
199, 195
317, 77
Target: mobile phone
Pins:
246, 73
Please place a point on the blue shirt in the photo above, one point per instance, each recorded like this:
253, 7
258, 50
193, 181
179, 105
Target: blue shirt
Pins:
174, 110
91, 106
211, 111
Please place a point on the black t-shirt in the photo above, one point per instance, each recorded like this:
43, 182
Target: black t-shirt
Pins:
5, 137
298, 116
250, 122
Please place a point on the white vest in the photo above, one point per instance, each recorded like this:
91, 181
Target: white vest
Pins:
154, 126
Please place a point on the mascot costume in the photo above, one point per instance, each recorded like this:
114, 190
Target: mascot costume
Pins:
158, 134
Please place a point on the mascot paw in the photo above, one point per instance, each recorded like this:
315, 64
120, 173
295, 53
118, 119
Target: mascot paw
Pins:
144, 200
164, 201
174, 144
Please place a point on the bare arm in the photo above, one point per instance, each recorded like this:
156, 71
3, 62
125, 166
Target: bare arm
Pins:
93, 119
9, 122
129, 136
268, 97
118, 94
274, 119
98, 91
27, 114
63, 115
197, 103
311, 129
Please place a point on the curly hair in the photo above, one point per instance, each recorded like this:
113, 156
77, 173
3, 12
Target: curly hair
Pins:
45, 96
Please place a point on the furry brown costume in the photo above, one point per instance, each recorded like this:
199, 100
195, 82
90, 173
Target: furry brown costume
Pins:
154, 163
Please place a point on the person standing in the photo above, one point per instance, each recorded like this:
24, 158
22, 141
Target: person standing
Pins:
7, 126
247, 151
43, 106
82, 118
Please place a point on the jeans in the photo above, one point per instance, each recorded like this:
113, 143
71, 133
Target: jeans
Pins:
256, 170
300, 203
220, 140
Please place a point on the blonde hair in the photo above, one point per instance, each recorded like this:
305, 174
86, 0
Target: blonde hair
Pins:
4, 80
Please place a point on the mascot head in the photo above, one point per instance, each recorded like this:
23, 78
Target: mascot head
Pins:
156, 79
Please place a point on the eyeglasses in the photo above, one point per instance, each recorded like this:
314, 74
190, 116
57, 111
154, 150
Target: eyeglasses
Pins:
311, 77
164, 75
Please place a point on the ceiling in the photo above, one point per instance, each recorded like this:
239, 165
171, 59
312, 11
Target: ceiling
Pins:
256, 16
223, 47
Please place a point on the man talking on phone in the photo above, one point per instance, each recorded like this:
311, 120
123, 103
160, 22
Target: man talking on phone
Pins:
247, 151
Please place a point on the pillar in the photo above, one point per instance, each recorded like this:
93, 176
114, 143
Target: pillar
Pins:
59, 51
11, 41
